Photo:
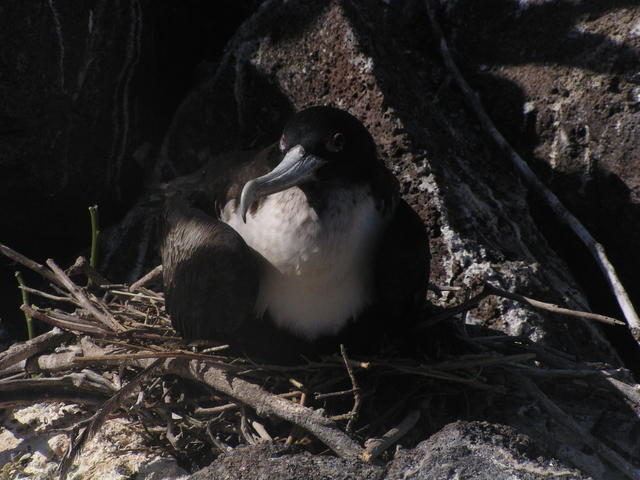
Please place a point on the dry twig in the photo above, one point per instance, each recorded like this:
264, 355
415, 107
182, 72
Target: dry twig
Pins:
355, 410
27, 262
375, 446
488, 289
19, 351
74, 388
105, 318
152, 275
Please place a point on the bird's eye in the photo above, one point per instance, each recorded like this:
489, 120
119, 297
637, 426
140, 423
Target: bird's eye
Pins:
335, 143
283, 143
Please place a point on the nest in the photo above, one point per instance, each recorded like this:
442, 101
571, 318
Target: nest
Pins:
196, 400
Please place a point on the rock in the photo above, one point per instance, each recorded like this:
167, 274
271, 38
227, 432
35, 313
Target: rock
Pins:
32, 446
267, 461
73, 112
477, 450
561, 79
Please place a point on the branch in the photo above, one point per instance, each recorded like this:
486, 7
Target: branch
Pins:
488, 289
30, 264
19, 351
65, 324
152, 275
564, 215
75, 387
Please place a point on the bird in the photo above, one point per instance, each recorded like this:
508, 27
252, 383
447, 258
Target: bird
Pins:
294, 248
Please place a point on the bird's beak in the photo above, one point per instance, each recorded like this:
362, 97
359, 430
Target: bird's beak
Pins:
295, 168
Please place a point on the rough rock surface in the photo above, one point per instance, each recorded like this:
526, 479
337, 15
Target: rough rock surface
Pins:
475, 450
268, 461
32, 446
562, 80
72, 113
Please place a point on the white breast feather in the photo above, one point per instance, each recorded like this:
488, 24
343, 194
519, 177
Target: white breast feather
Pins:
322, 265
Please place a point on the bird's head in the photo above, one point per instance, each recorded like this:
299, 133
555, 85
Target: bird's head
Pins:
318, 144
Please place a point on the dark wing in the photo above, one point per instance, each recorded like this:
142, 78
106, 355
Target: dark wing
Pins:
210, 274
402, 268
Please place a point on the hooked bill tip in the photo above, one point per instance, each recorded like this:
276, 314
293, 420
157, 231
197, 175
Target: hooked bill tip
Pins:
247, 197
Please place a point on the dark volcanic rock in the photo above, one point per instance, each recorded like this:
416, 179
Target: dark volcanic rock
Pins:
562, 80
267, 461
480, 451
474, 450
76, 83
75, 88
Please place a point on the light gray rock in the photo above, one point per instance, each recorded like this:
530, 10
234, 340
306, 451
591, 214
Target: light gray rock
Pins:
32, 446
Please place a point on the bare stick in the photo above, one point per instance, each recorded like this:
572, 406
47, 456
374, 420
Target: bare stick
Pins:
64, 324
19, 351
30, 264
489, 289
564, 215
72, 387
550, 307
146, 355
105, 318
259, 428
580, 433
376, 446
40, 293
82, 266
232, 406
320, 396
355, 410
450, 312
152, 275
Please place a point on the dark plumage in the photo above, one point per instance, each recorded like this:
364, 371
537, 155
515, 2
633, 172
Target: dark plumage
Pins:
297, 246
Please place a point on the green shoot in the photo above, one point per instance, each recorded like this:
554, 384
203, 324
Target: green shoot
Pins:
93, 259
